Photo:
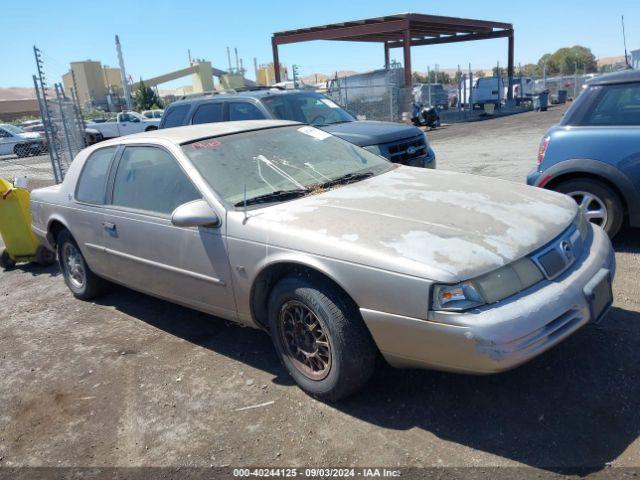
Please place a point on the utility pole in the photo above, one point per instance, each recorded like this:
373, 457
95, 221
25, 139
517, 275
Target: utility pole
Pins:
123, 74
294, 68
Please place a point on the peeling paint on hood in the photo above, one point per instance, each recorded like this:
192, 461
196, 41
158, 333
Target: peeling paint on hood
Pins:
440, 225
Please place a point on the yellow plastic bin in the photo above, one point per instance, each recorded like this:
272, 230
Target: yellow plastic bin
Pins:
20, 244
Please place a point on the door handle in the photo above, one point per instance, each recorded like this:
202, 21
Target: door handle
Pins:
109, 225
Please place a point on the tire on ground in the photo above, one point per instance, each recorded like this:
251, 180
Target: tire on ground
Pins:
93, 285
353, 352
611, 200
6, 262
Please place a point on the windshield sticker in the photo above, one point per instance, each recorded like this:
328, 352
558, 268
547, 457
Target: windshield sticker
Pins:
314, 132
329, 103
207, 144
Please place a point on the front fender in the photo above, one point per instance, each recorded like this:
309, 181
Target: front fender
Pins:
369, 287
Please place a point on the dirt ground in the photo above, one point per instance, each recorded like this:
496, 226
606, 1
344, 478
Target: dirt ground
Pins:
130, 380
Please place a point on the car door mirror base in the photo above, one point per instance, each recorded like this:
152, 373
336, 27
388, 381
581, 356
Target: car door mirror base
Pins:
197, 213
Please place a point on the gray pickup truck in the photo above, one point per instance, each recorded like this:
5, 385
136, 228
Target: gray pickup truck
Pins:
399, 143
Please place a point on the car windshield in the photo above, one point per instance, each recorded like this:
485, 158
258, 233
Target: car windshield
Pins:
12, 128
311, 108
272, 162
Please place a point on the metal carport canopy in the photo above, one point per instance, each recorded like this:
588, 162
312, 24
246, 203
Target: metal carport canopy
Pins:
403, 30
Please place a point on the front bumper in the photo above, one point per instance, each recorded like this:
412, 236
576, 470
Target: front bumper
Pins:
428, 160
500, 336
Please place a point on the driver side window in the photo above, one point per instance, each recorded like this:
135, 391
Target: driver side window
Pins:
150, 179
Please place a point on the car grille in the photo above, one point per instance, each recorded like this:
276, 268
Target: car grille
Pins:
406, 150
561, 254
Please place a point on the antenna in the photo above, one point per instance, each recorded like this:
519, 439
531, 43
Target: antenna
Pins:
624, 39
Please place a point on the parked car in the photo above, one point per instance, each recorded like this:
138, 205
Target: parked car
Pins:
397, 142
157, 113
125, 123
335, 251
15, 141
593, 154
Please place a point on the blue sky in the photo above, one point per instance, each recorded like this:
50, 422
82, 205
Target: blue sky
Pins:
156, 34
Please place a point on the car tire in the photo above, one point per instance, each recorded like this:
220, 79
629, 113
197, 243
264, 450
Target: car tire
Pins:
345, 354
44, 256
150, 129
83, 283
602, 196
6, 262
20, 151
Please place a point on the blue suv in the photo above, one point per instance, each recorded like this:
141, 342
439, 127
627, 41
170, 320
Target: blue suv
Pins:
397, 142
593, 154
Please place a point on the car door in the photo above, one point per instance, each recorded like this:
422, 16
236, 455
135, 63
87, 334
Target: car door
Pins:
239, 110
146, 251
128, 124
208, 112
85, 220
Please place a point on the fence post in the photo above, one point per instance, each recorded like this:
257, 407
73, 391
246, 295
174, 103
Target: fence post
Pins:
47, 123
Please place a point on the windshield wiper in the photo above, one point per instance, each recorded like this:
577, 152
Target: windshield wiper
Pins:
331, 123
348, 178
274, 196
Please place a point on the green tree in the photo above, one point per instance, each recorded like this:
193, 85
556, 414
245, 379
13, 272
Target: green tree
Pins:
530, 70
146, 98
567, 60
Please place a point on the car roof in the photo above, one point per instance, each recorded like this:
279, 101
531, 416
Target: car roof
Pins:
257, 94
624, 76
189, 133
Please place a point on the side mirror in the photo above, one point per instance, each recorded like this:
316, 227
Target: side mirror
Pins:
197, 213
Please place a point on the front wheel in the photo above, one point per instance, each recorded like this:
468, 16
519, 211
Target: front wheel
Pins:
597, 201
320, 337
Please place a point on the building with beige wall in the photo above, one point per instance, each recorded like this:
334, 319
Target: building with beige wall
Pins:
97, 86
266, 74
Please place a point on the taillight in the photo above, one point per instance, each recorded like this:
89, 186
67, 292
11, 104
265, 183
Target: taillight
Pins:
543, 149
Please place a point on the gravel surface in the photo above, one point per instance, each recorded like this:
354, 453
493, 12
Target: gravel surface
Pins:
130, 380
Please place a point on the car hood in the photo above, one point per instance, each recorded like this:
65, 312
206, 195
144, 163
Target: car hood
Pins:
364, 133
29, 135
435, 224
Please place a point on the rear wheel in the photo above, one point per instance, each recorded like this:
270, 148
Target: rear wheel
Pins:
20, 151
83, 283
597, 201
320, 337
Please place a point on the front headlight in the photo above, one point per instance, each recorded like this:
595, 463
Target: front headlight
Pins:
455, 298
488, 288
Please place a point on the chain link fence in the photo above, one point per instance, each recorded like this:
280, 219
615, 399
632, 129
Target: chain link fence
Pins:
62, 121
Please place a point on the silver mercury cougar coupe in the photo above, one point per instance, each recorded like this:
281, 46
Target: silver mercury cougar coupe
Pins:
337, 253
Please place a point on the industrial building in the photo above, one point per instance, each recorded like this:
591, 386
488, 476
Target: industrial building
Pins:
95, 85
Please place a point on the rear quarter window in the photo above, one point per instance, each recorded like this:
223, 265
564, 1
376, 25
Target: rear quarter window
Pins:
93, 178
606, 105
175, 116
